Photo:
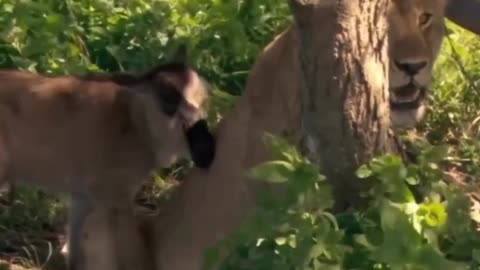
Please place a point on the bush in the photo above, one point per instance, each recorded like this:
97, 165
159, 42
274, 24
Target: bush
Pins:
396, 231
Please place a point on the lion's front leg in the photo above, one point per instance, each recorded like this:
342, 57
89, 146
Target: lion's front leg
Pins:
6, 184
112, 239
81, 208
98, 243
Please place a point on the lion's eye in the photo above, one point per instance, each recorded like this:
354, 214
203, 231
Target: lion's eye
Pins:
424, 19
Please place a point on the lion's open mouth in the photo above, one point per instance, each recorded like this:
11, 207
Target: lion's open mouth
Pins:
407, 97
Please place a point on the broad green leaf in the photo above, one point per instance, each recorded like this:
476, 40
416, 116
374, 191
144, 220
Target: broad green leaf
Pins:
364, 172
272, 171
362, 240
292, 241
281, 241
412, 180
8, 8
434, 214
308, 173
435, 154
400, 193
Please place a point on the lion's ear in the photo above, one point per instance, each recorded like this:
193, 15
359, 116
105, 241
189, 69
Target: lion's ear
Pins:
177, 87
194, 91
162, 85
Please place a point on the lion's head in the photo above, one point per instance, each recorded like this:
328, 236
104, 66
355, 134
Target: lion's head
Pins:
415, 36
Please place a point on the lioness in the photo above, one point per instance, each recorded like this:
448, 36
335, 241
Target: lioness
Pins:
205, 212
98, 136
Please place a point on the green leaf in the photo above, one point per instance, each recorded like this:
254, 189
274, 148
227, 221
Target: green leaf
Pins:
362, 240
412, 180
389, 169
318, 250
211, 257
400, 193
435, 154
281, 241
434, 214
281, 148
426, 257
395, 224
364, 172
476, 255
422, 211
8, 8
54, 21
292, 240
273, 171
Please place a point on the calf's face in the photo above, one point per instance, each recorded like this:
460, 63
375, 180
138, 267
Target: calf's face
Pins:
172, 101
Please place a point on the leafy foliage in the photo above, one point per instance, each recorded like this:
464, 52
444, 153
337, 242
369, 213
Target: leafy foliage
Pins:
32, 209
61, 37
455, 102
293, 229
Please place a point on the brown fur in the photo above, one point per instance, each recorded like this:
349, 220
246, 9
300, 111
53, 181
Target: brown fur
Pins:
76, 127
97, 137
211, 204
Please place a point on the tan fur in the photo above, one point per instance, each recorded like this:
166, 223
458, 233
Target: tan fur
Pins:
411, 43
83, 129
95, 137
56, 131
211, 204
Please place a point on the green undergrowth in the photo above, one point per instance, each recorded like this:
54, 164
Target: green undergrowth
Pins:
436, 229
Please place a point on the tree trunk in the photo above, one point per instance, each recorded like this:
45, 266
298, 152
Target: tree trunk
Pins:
345, 110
